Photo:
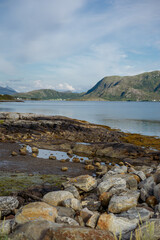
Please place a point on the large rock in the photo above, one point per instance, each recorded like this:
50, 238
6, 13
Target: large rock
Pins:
139, 213
67, 220
33, 230
116, 225
78, 233
123, 202
73, 203
7, 204
85, 183
148, 185
65, 212
36, 211
157, 192
113, 184
55, 198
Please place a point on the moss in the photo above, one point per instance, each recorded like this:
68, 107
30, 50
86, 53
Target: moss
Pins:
141, 140
10, 183
1, 121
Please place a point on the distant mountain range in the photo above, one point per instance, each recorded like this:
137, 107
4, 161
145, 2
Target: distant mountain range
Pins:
47, 94
7, 90
141, 87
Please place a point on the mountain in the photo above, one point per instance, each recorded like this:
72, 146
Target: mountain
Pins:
47, 94
7, 90
141, 87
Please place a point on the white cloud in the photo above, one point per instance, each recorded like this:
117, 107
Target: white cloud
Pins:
64, 87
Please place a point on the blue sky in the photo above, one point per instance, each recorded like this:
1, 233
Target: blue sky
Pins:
72, 44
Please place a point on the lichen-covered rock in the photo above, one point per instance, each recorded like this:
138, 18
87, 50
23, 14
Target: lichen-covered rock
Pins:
67, 220
92, 221
73, 190
7, 204
85, 183
55, 198
123, 202
6, 227
116, 225
139, 213
140, 174
78, 233
36, 211
85, 213
34, 230
116, 183
105, 198
148, 185
65, 212
73, 203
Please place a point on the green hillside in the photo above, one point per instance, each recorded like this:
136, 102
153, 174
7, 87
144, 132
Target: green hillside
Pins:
142, 87
47, 94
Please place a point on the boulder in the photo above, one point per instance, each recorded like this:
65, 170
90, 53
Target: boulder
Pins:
7, 204
112, 185
84, 183
73, 203
105, 198
116, 225
65, 212
33, 230
78, 233
85, 214
140, 174
73, 190
6, 227
36, 211
148, 185
157, 192
92, 221
123, 202
55, 198
67, 220
139, 213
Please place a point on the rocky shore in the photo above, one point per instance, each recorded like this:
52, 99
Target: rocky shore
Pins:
108, 187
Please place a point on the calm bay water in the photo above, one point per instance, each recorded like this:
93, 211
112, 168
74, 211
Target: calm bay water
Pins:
134, 117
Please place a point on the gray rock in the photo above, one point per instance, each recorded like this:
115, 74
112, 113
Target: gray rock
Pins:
6, 227
92, 221
139, 213
123, 202
73, 203
55, 198
67, 220
7, 204
73, 190
131, 183
91, 205
112, 182
143, 194
65, 212
148, 185
140, 174
157, 192
33, 230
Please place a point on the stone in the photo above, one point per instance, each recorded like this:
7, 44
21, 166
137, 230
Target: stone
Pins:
92, 221
140, 174
143, 194
7, 204
148, 185
85, 183
73, 190
151, 201
36, 211
131, 183
35, 150
6, 227
55, 198
149, 230
123, 202
33, 230
14, 153
67, 220
91, 205
105, 198
157, 192
85, 213
116, 225
77, 233
64, 169
23, 151
89, 167
113, 182
73, 203
139, 213
65, 212
34, 155
51, 157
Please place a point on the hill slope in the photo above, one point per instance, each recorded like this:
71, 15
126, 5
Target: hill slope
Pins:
7, 90
142, 87
47, 94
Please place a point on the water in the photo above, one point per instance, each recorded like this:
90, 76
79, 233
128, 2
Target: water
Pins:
134, 117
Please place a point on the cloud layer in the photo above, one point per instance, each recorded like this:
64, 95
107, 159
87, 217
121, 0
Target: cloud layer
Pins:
72, 44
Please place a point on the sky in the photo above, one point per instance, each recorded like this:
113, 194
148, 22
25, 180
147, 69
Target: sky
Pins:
72, 44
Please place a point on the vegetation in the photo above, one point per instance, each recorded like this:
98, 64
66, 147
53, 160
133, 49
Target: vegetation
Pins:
48, 94
142, 87
6, 98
